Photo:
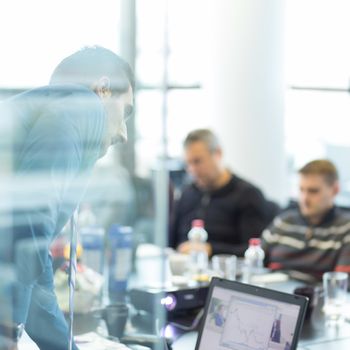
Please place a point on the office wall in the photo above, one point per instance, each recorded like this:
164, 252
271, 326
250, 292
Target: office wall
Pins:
244, 85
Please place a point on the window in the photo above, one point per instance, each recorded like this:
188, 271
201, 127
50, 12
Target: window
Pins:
318, 76
37, 34
183, 91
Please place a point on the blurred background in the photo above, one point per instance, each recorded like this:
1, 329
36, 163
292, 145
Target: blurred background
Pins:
270, 77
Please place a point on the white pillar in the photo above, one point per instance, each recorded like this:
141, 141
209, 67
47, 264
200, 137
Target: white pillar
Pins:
245, 88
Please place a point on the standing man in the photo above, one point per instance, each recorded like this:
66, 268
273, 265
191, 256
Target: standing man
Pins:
233, 210
315, 237
59, 132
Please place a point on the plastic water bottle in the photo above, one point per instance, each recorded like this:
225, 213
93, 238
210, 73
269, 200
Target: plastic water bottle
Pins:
253, 260
120, 251
197, 237
92, 239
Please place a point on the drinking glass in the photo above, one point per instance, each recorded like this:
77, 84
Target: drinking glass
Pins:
224, 265
335, 286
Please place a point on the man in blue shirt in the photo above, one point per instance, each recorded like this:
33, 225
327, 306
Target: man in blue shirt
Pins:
58, 132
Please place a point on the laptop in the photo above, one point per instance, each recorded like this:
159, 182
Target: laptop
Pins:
240, 316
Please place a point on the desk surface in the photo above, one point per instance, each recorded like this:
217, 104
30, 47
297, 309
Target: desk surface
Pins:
315, 335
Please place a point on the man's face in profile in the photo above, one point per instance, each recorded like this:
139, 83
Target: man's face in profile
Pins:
118, 108
202, 164
316, 195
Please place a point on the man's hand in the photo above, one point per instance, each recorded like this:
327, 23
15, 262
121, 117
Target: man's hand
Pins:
9, 335
188, 246
7, 343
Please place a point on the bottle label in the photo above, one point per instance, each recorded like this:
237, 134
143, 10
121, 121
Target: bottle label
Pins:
122, 266
93, 259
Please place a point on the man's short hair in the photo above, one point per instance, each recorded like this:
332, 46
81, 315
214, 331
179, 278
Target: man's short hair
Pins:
89, 64
204, 135
322, 167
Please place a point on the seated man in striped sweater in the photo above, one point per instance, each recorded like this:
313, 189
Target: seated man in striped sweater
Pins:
315, 237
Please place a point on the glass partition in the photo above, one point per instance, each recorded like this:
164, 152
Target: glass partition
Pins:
117, 208
57, 186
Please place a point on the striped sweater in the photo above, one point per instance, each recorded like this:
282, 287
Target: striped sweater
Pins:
291, 243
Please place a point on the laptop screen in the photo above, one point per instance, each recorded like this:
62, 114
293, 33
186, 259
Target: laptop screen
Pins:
244, 317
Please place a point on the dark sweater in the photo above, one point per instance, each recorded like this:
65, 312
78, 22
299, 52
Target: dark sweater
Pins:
232, 215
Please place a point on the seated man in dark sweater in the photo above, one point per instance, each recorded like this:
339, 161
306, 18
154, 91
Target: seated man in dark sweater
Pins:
233, 210
314, 237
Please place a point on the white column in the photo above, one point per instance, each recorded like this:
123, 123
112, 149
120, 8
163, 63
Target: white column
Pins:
245, 88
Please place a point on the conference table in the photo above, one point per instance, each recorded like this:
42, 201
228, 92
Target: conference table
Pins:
315, 334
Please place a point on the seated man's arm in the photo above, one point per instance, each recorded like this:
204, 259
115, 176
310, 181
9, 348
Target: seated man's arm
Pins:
253, 218
266, 243
187, 247
178, 238
343, 261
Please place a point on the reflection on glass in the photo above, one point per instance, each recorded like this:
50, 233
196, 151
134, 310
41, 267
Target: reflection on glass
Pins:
56, 134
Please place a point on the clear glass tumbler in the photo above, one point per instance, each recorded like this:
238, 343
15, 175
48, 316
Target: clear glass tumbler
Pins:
224, 265
335, 286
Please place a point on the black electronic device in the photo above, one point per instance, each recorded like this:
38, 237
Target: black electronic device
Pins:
173, 300
242, 316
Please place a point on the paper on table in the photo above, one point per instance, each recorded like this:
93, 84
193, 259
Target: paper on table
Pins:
270, 278
92, 341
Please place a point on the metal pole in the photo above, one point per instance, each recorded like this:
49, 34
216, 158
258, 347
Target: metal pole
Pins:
71, 272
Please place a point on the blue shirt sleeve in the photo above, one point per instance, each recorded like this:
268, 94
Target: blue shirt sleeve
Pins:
52, 170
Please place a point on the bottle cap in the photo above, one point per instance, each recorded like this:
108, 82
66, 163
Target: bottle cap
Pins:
254, 241
198, 223
66, 252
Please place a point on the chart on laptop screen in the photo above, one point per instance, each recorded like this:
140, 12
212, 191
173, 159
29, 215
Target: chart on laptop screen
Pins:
241, 321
